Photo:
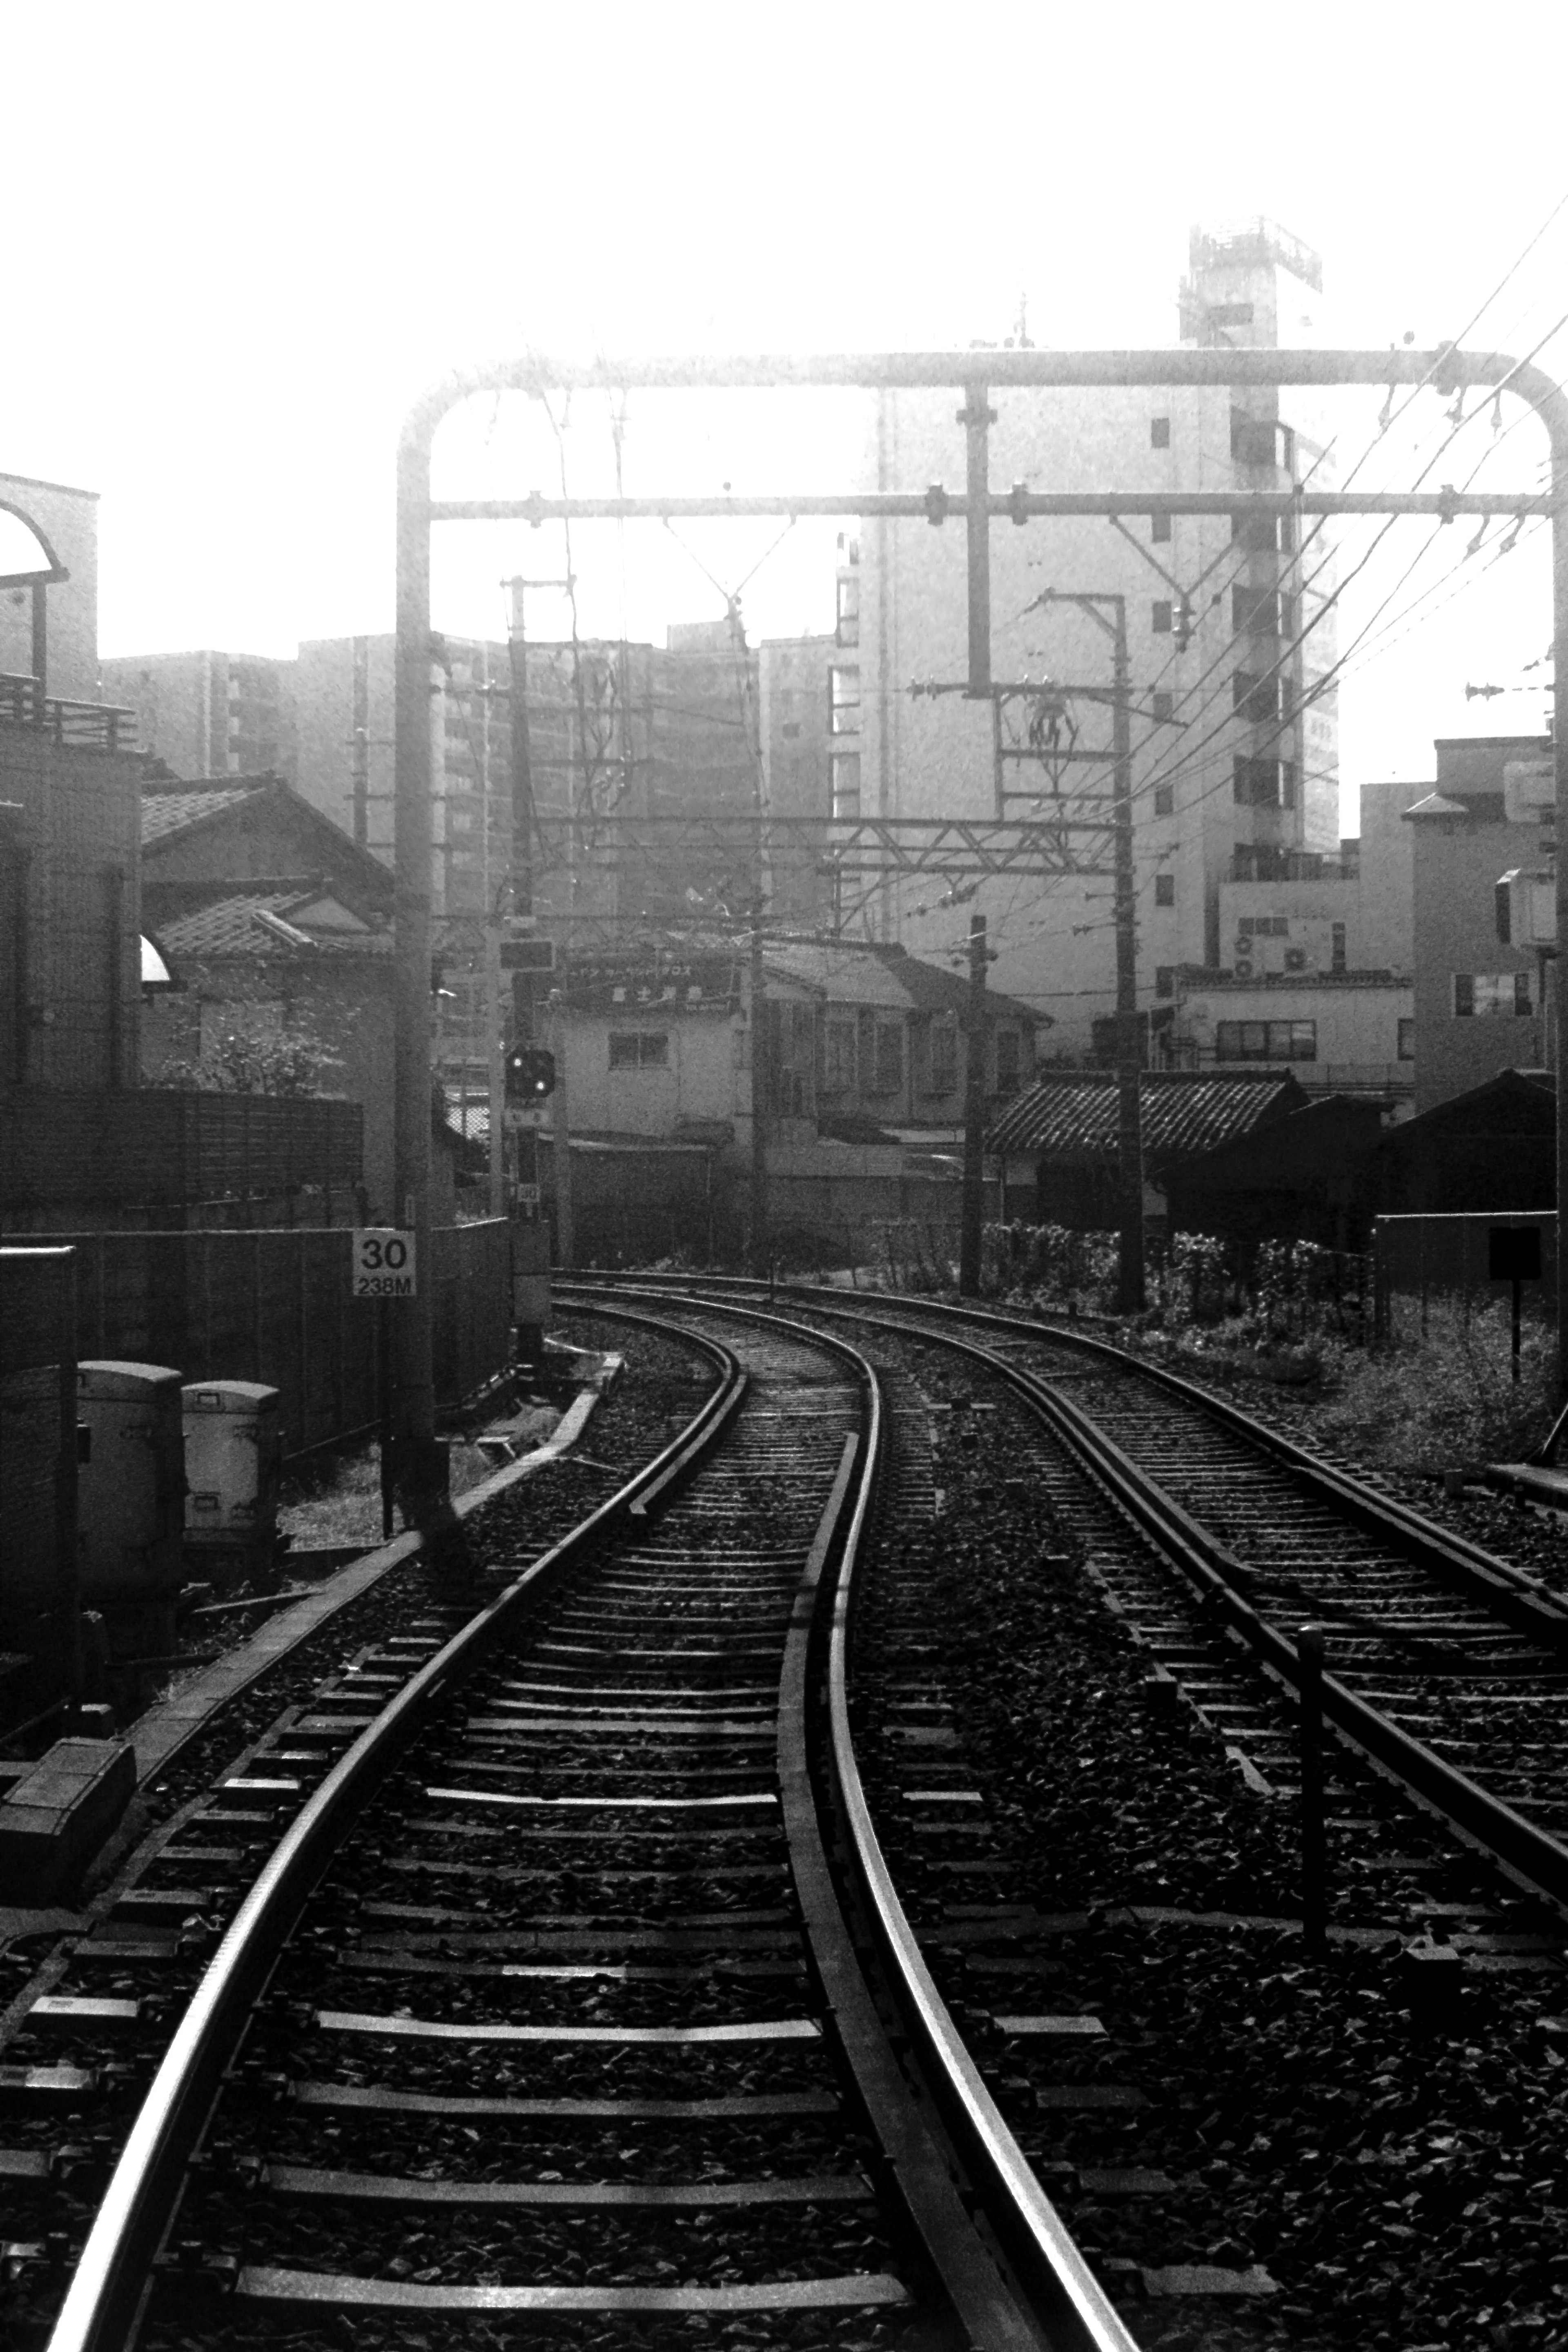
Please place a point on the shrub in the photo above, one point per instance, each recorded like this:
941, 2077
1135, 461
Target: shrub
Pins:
1447, 1401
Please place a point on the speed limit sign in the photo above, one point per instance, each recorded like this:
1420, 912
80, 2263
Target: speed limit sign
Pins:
383, 1265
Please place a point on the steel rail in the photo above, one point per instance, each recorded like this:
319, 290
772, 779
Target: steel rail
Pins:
100, 2306
1516, 1596
1530, 1854
1073, 2307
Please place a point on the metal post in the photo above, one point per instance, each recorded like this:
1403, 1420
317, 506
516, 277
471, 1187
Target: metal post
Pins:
561, 1128
495, 1060
421, 1465
977, 417
1314, 1859
759, 1166
383, 1411
1552, 418
1130, 1135
973, 1203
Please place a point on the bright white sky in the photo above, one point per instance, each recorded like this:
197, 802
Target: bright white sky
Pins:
243, 240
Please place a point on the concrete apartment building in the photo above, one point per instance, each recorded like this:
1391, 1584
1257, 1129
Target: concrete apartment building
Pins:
1478, 1001
344, 700
1235, 764
793, 676
209, 714
1316, 968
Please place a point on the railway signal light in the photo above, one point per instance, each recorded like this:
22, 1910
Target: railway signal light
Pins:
530, 1073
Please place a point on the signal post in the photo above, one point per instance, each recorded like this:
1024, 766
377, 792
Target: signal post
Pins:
529, 1075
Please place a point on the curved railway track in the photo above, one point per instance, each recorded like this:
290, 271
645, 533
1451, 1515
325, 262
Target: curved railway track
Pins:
1447, 1667
546, 2001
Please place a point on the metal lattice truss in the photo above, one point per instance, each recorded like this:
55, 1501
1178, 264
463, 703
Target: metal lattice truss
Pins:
1074, 839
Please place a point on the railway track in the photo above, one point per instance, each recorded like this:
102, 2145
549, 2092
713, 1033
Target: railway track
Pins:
545, 2002
1447, 1667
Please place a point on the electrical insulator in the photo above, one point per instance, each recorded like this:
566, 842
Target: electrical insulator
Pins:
936, 504
1015, 498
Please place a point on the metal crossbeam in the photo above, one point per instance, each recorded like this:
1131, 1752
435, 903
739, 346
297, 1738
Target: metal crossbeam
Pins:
1030, 506
958, 848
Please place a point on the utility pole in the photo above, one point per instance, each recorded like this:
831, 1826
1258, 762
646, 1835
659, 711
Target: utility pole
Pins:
1129, 1292
1129, 1121
422, 1468
759, 1165
561, 1124
495, 1051
973, 1206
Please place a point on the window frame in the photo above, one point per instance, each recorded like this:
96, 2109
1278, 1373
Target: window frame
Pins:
618, 1060
843, 706
1493, 995
1266, 1041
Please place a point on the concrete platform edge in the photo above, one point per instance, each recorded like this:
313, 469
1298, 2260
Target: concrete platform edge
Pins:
159, 1734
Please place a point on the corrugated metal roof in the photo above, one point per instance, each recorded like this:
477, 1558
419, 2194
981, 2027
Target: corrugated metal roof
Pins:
1071, 1115
164, 814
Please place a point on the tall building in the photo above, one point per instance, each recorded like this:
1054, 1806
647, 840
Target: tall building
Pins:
209, 714
344, 700
1228, 634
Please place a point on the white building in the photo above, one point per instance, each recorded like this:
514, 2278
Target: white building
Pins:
1235, 766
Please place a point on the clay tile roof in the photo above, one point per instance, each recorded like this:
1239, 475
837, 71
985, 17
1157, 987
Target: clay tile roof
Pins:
227, 926
164, 814
1071, 1115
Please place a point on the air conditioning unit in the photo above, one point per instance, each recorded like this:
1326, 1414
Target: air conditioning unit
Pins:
1295, 959
1527, 909
1244, 946
1242, 968
1529, 790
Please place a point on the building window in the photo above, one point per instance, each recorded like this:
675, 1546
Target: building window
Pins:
1164, 889
1164, 979
888, 1059
1406, 1037
1256, 700
1264, 783
845, 784
1009, 1061
1478, 992
943, 1049
844, 699
1159, 620
1337, 958
1159, 433
848, 628
1254, 613
1164, 701
838, 1057
1160, 526
639, 1049
1266, 1041
1164, 799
